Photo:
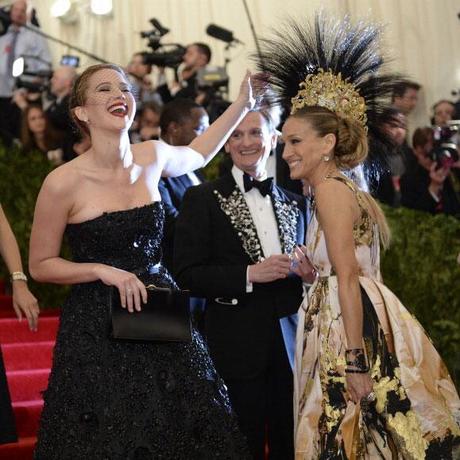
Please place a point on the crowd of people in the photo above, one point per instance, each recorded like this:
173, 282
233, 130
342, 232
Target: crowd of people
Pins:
39, 121
282, 219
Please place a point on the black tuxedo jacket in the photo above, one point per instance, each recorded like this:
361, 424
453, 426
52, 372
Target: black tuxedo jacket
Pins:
172, 191
215, 242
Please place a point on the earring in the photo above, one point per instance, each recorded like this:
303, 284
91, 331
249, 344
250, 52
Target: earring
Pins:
326, 158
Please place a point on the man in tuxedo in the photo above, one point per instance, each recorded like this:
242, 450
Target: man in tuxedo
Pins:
181, 121
234, 237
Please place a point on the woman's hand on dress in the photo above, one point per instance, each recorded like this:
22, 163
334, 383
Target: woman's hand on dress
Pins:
358, 386
25, 303
132, 290
301, 265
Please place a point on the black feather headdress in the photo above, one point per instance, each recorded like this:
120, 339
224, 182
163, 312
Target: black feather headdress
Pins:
297, 51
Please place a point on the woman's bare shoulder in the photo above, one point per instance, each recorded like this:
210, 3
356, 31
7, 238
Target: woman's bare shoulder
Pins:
64, 178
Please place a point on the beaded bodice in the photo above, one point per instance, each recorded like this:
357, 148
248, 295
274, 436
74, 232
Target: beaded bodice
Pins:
128, 239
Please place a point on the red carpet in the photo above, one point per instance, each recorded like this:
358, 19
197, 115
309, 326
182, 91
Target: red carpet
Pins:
27, 357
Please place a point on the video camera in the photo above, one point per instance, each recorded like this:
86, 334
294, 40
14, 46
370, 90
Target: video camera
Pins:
34, 81
446, 144
169, 54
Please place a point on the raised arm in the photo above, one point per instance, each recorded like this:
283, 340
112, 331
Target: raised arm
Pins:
24, 301
180, 160
337, 212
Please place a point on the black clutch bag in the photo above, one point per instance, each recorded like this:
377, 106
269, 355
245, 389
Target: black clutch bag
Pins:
164, 318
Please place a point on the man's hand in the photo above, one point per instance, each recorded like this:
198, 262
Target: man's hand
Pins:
273, 268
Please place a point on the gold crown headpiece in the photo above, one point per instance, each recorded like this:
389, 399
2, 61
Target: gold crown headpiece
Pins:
332, 92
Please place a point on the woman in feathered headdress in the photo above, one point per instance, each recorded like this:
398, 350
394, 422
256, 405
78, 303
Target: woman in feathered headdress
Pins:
368, 381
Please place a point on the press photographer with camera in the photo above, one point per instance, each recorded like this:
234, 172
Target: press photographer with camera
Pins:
19, 40
431, 183
197, 56
54, 99
138, 73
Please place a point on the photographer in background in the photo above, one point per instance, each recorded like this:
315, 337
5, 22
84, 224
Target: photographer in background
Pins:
17, 41
196, 57
55, 103
138, 74
429, 185
443, 112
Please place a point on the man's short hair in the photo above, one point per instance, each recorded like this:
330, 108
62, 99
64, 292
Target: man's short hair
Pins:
178, 111
400, 88
204, 49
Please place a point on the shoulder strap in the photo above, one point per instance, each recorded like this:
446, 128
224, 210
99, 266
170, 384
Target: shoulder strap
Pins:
345, 181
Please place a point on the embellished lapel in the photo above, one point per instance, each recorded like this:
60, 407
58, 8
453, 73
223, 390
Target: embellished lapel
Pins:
231, 201
287, 216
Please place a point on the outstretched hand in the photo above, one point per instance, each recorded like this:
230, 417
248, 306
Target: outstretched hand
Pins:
253, 87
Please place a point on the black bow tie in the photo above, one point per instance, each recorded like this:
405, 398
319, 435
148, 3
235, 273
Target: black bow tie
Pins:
264, 186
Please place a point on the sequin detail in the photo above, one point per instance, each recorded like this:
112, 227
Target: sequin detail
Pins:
118, 400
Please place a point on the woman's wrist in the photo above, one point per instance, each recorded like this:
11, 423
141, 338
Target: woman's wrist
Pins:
243, 103
18, 276
356, 361
97, 269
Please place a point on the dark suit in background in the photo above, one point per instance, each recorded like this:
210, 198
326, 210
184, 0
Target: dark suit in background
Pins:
172, 191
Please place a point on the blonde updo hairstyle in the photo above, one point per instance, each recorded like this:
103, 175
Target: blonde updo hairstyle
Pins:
350, 150
80, 89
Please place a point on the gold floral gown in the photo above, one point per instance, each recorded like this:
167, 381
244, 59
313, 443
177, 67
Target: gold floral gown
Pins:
417, 409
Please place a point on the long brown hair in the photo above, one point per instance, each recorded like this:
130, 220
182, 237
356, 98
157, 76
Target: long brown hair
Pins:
51, 137
350, 150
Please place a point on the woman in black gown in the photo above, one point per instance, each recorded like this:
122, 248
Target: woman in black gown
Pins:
24, 303
110, 399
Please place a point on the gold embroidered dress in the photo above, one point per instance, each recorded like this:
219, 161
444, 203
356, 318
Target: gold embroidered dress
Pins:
417, 409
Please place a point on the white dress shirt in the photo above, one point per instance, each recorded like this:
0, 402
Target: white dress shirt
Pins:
263, 215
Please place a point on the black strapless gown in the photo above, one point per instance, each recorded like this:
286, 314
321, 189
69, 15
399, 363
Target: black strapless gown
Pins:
118, 400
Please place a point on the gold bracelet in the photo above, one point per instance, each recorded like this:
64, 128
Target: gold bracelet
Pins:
18, 276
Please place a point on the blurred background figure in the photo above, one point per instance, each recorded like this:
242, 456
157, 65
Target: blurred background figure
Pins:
405, 96
55, 103
429, 185
443, 111
147, 123
142, 87
383, 177
18, 41
181, 121
38, 134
